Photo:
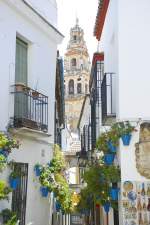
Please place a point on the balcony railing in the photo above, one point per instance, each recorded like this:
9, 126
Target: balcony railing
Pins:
30, 108
108, 97
86, 138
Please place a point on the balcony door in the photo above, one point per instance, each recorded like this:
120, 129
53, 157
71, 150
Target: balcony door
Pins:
21, 68
21, 62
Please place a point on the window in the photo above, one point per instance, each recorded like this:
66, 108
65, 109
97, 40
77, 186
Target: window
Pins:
73, 62
21, 68
74, 38
79, 88
71, 87
21, 62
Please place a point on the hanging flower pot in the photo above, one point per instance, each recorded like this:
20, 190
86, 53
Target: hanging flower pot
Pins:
106, 207
4, 152
44, 191
58, 206
109, 159
37, 170
126, 138
14, 182
114, 193
111, 147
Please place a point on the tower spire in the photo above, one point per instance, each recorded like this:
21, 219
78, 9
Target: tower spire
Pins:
77, 21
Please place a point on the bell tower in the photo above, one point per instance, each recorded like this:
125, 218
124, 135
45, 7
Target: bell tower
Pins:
76, 75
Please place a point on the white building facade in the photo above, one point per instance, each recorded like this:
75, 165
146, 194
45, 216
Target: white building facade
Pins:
122, 29
29, 39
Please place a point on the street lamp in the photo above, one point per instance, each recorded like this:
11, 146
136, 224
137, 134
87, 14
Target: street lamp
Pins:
82, 158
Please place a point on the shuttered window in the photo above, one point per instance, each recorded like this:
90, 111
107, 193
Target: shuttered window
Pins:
21, 100
21, 62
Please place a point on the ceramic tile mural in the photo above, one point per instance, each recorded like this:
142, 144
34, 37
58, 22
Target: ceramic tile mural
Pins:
136, 203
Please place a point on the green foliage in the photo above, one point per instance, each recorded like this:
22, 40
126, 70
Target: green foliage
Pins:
8, 142
123, 128
85, 199
3, 162
13, 220
52, 176
98, 179
113, 135
101, 143
63, 192
4, 190
47, 178
58, 162
9, 217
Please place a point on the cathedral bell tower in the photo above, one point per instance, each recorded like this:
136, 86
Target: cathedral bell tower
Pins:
76, 75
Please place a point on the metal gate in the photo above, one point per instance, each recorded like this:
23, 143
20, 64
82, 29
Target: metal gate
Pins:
19, 195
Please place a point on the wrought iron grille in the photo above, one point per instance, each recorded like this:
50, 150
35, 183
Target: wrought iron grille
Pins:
19, 195
98, 73
86, 138
108, 96
30, 109
93, 118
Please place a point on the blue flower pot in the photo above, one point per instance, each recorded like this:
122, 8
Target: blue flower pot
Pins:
14, 182
126, 138
111, 147
106, 207
58, 206
109, 159
44, 191
4, 152
37, 171
114, 193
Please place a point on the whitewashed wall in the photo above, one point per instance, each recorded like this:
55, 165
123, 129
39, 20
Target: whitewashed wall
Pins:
127, 55
46, 8
17, 19
133, 56
33, 151
125, 42
42, 41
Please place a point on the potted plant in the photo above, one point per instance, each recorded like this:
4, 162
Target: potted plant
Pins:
44, 191
19, 87
14, 179
114, 193
125, 130
106, 206
113, 140
7, 215
58, 206
38, 169
7, 143
4, 190
109, 158
3, 162
101, 143
35, 94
